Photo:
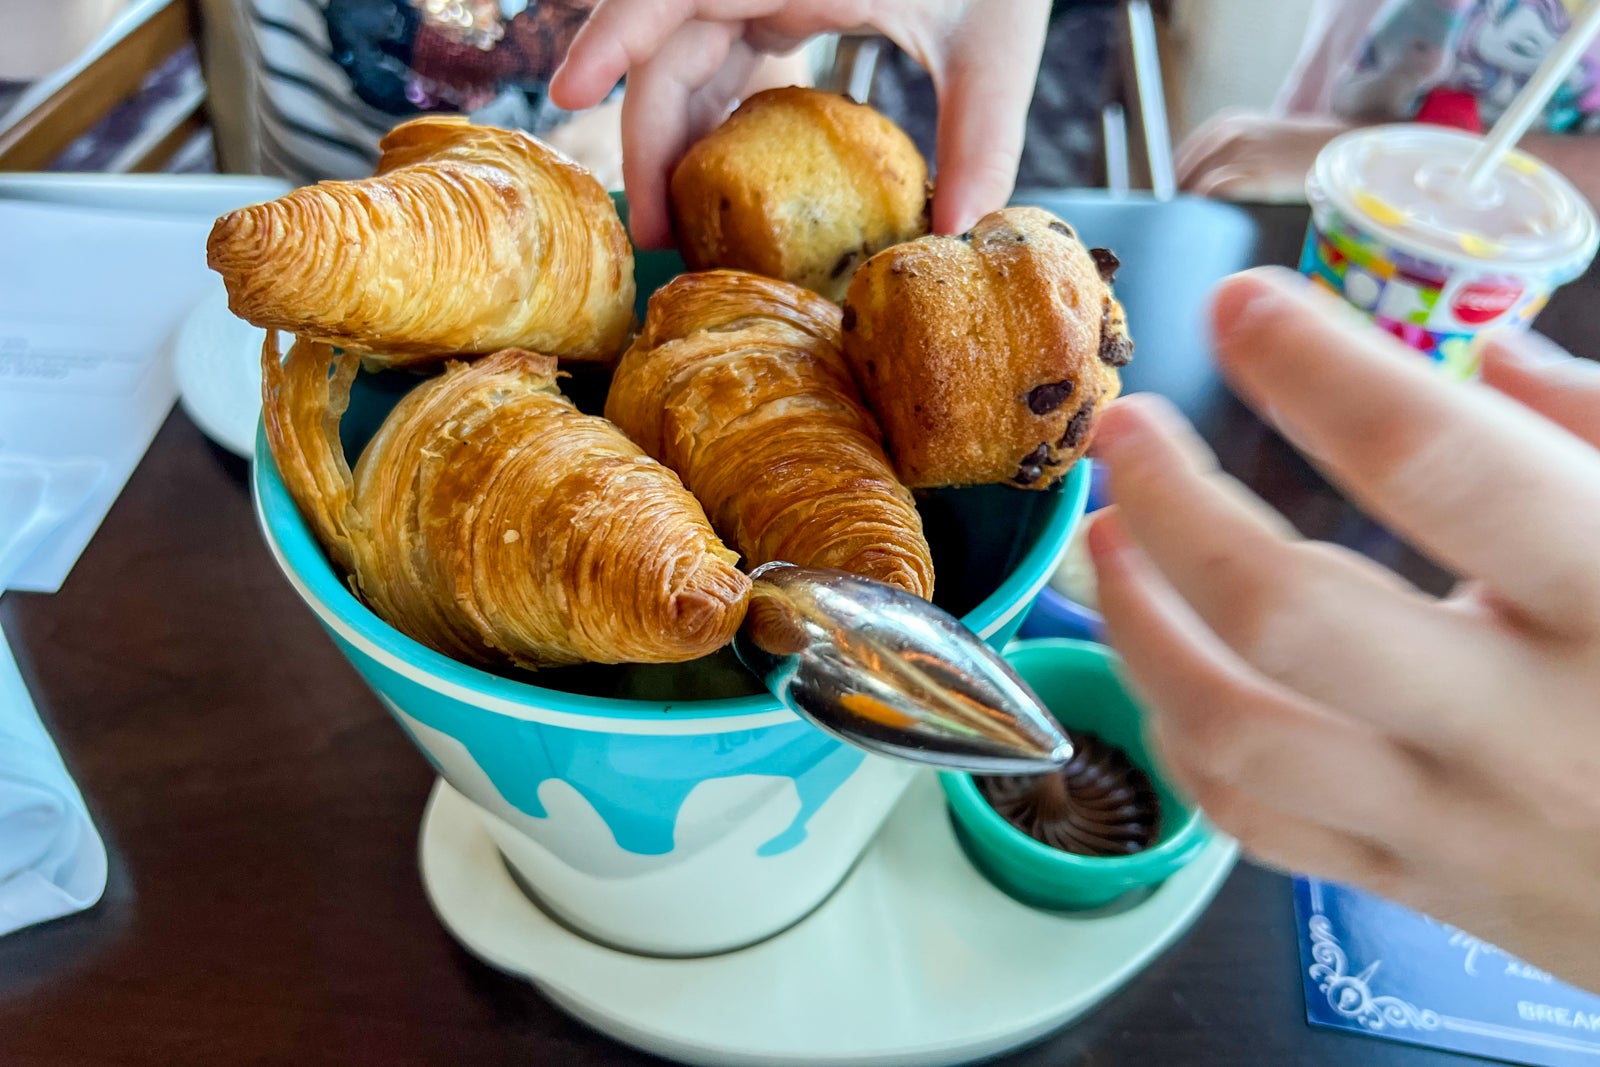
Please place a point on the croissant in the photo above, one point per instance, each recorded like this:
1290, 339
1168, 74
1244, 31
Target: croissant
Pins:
737, 383
469, 239
492, 521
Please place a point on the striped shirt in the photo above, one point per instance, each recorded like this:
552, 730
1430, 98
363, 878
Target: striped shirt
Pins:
332, 77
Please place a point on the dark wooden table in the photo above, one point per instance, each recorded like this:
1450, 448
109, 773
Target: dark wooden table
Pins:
261, 814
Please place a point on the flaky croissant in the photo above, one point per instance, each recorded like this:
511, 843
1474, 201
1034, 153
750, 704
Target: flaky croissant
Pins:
469, 239
737, 383
492, 521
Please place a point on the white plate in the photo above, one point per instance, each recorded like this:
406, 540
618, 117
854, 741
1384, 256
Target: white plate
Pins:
187, 195
914, 960
217, 360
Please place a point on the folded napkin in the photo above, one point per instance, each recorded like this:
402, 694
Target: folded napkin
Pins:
52, 861
36, 496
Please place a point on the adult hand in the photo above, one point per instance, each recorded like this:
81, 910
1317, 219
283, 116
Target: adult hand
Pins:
1241, 155
1444, 753
688, 60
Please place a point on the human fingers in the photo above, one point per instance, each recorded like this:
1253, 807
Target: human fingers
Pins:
1197, 154
670, 100
985, 84
776, 67
1296, 846
1246, 156
1537, 374
794, 23
1451, 840
1219, 183
1224, 723
1244, 181
624, 35
1319, 620
1488, 488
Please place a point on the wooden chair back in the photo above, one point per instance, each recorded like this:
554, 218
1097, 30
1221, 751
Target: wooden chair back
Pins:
40, 135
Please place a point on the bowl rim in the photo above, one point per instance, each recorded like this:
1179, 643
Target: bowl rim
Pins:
1075, 610
304, 563
968, 806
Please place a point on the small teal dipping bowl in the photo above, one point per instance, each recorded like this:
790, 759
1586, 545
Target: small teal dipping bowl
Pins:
1078, 682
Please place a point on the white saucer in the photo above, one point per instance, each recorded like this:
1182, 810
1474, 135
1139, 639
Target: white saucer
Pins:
915, 960
217, 359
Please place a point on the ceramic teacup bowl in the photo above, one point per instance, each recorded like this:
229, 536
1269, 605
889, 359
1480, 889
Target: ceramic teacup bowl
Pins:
672, 810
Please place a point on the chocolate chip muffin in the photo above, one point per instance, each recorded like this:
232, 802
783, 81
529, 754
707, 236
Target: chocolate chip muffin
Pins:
801, 185
988, 356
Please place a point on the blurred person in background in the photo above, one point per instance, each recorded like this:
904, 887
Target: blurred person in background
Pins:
304, 89
1451, 62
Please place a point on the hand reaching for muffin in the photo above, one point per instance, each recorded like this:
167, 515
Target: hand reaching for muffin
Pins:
685, 63
986, 357
801, 185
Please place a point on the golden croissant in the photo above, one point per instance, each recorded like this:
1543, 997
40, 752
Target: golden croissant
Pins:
491, 520
467, 240
738, 384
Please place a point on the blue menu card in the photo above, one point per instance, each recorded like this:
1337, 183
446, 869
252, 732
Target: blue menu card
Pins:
1377, 968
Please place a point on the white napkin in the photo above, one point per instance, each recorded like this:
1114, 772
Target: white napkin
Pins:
52, 861
89, 300
36, 496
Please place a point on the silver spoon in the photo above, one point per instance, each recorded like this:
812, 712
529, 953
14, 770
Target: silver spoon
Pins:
888, 672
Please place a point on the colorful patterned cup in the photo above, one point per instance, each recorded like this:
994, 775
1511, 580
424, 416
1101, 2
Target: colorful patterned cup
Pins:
1395, 234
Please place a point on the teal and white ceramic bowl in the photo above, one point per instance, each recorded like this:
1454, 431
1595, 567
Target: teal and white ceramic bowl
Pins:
678, 809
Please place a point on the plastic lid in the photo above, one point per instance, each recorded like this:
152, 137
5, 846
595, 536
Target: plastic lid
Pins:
1403, 184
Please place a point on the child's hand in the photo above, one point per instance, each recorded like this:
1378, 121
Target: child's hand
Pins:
1333, 718
1244, 155
687, 61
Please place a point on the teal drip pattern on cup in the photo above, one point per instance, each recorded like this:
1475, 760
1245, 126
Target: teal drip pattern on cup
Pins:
1078, 682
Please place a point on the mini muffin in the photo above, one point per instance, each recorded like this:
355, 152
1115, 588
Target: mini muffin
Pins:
988, 356
801, 185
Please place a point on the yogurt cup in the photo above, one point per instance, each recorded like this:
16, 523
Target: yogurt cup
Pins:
1394, 234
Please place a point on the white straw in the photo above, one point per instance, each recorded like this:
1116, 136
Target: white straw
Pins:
1530, 102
